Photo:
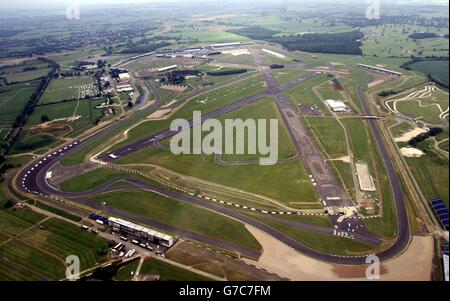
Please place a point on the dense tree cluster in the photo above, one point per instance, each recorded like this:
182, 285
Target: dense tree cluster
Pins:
226, 72
422, 137
339, 43
144, 48
277, 66
386, 93
177, 77
422, 35
255, 32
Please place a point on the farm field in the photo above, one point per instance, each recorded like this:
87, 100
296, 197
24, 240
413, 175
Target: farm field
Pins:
13, 99
203, 36
179, 214
279, 23
77, 114
64, 89
39, 254
63, 239
28, 75
392, 40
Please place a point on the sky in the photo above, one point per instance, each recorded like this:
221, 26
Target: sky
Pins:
42, 4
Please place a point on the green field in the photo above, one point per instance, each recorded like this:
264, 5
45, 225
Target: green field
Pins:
85, 113
28, 76
19, 261
25, 71
125, 271
39, 254
364, 149
265, 180
264, 109
31, 143
168, 272
91, 180
63, 89
63, 239
286, 76
303, 93
437, 69
400, 129
13, 99
431, 173
147, 63
12, 225
330, 135
57, 211
392, 40
207, 102
285, 25
429, 113
180, 214
203, 35
327, 91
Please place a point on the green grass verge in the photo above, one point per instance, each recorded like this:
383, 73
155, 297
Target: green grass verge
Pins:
179, 214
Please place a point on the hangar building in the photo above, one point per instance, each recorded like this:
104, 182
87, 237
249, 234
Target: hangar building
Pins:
336, 105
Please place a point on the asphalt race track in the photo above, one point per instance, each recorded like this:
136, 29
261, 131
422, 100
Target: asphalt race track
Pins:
33, 180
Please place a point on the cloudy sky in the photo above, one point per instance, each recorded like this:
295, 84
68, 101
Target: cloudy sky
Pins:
42, 4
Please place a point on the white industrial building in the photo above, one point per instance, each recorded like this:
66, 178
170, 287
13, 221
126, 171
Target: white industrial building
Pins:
167, 68
336, 105
445, 266
379, 69
124, 88
220, 45
124, 76
122, 226
366, 182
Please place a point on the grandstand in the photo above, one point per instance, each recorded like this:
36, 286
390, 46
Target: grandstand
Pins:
441, 212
